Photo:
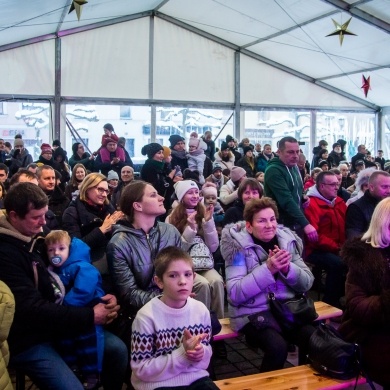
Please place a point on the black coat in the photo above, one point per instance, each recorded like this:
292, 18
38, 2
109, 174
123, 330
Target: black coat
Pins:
83, 221
359, 213
38, 319
234, 214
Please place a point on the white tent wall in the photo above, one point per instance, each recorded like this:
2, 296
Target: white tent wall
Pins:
107, 62
28, 70
188, 67
262, 84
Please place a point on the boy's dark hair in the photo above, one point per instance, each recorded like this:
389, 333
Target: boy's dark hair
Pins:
256, 205
23, 197
166, 256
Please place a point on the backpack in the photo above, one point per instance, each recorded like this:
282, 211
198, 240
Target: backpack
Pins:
201, 255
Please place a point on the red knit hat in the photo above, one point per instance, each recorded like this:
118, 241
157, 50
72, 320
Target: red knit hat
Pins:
46, 148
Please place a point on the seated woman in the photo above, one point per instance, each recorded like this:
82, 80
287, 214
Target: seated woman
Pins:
264, 258
90, 217
367, 315
192, 219
228, 193
248, 189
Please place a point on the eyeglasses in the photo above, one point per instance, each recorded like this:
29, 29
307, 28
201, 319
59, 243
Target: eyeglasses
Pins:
102, 191
331, 184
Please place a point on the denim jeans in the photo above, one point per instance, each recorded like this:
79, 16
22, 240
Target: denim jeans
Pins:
45, 367
336, 272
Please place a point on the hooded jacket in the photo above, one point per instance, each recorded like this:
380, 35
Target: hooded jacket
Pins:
227, 162
38, 318
130, 256
284, 185
19, 160
367, 315
248, 279
328, 218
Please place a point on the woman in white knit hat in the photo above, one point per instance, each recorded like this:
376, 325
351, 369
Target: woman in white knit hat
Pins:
195, 223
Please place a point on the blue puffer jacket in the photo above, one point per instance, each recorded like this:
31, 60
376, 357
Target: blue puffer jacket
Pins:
248, 279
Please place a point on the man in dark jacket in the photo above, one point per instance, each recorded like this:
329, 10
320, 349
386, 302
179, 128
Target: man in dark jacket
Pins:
232, 148
360, 155
58, 202
359, 213
335, 156
179, 156
40, 322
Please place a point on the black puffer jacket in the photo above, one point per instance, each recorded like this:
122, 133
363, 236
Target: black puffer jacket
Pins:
83, 221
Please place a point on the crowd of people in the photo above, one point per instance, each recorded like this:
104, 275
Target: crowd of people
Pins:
90, 249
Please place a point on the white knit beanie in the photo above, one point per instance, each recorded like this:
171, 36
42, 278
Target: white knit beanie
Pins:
182, 187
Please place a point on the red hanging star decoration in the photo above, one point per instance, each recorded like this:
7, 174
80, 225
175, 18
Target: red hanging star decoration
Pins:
366, 84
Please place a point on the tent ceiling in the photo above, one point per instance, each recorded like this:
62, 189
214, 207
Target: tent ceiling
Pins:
290, 34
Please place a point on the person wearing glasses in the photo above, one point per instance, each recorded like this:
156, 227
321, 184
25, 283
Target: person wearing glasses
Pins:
90, 217
326, 212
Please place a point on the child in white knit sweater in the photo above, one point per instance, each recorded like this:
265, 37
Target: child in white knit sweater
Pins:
170, 343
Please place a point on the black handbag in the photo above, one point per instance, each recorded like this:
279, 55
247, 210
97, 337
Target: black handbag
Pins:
292, 313
330, 355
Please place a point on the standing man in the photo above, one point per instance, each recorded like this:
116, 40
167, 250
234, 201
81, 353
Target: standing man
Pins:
326, 212
39, 322
283, 183
3, 153
122, 144
233, 148
20, 158
360, 155
380, 159
359, 213
210, 151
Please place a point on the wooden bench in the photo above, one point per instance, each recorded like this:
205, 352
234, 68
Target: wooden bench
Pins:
325, 312
297, 378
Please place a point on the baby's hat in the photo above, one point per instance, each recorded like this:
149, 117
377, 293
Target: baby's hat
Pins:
209, 188
198, 143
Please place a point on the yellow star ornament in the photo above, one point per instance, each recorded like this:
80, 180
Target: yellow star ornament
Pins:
78, 6
341, 30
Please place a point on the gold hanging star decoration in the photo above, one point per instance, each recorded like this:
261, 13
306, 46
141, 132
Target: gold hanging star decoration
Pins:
341, 30
78, 6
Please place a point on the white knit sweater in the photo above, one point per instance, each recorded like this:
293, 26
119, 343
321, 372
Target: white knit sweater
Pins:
158, 358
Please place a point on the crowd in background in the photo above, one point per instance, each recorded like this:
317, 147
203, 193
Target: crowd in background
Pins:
269, 220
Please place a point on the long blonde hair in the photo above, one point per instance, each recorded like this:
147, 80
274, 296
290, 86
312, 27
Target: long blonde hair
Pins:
178, 217
378, 233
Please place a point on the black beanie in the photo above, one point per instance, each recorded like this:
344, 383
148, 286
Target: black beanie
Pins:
151, 149
247, 148
229, 138
224, 146
174, 139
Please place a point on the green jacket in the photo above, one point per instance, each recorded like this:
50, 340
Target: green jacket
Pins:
284, 185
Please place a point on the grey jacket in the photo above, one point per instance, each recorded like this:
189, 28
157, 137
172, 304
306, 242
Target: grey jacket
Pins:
130, 255
248, 279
